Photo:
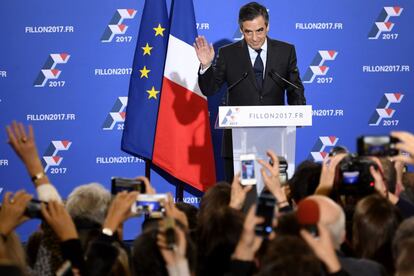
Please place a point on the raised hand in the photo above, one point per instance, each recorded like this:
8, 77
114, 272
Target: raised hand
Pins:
204, 51
59, 220
406, 144
249, 242
323, 248
271, 178
172, 256
238, 193
327, 178
24, 145
12, 211
120, 210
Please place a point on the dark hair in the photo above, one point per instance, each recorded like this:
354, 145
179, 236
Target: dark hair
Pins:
146, 256
404, 232
217, 238
216, 197
404, 263
305, 180
374, 224
289, 255
251, 11
191, 213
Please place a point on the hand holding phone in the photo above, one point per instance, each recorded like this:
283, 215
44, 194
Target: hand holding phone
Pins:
266, 209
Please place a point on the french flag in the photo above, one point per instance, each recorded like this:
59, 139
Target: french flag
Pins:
183, 145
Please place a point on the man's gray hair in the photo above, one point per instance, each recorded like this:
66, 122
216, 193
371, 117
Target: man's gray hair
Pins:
90, 201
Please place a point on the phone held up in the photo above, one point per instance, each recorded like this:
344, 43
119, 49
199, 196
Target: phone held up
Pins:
248, 174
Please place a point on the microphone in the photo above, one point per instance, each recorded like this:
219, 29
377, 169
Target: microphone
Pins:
273, 74
245, 74
308, 214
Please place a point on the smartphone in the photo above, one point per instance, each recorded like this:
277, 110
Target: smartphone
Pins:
119, 184
33, 209
265, 208
169, 225
377, 145
151, 205
248, 175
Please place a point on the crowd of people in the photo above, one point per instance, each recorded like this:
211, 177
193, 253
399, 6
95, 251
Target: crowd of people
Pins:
358, 234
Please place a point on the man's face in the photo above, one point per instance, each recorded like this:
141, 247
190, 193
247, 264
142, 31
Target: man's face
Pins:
255, 32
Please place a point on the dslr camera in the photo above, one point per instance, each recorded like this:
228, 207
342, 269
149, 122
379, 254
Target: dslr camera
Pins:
354, 176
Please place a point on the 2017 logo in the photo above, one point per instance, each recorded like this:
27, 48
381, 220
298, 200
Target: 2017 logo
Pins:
51, 157
383, 112
317, 67
49, 71
382, 24
230, 117
116, 26
319, 153
116, 115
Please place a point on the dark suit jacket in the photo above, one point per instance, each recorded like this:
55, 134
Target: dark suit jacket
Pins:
233, 62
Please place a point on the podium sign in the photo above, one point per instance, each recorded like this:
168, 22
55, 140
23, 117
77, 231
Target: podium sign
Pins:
265, 116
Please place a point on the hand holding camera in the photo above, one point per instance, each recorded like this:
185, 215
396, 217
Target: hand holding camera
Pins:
270, 174
12, 211
406, 144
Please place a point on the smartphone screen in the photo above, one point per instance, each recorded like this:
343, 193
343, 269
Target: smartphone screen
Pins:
151, 205
248, 176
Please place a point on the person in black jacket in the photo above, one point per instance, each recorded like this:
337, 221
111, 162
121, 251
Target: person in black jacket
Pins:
258, 70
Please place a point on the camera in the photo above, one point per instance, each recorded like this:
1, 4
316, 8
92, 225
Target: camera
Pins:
377, 146
33, 209
150, 205
355, 177
119, 184
283, 167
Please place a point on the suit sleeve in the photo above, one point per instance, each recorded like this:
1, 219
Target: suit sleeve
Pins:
295, 96
214, 77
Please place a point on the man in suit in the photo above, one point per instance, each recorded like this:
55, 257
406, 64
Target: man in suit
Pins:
258, 70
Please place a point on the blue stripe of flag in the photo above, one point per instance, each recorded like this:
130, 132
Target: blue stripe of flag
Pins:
142, 108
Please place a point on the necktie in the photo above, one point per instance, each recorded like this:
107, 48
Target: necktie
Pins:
258, 68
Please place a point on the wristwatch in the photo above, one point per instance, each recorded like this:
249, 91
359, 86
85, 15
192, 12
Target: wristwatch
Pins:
108, 232
38, 176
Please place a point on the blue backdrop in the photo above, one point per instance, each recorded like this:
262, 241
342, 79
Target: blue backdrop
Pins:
65, 69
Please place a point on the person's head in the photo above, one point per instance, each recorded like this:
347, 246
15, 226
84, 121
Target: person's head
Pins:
190, 212
289, 255
254, 24
404, 232
305, 180
333, 217
217, 238
216, 197
405, 262
89, 201
374, 224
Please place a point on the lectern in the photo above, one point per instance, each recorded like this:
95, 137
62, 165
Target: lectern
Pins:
256, 129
